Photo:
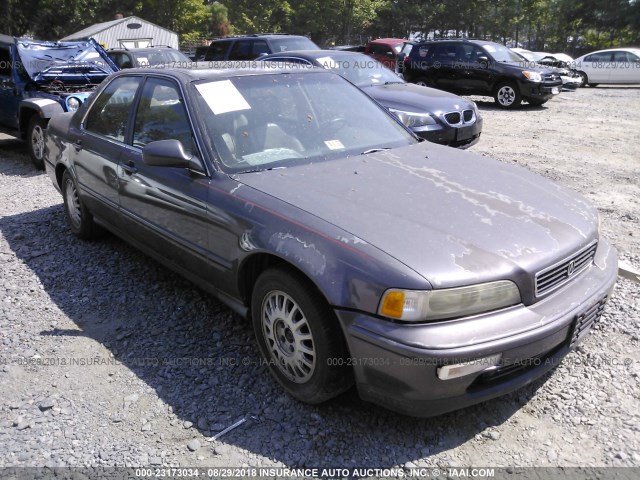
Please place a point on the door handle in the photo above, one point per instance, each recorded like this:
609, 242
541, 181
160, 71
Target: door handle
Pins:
129, 168
78, 145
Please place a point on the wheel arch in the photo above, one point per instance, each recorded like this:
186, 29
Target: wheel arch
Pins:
42, 107
255, 264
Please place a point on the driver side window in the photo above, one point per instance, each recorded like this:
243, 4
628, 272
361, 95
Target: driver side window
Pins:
161, 115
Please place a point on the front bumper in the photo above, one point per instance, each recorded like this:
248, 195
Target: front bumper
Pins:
542, 91
460, 137
396, 365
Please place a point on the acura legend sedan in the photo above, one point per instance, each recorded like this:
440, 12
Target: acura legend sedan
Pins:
431, 278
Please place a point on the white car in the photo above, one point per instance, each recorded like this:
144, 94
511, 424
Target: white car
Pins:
559, 62
615, 65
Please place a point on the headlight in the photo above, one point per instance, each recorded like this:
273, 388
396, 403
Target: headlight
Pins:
73, 104
533, 76
412, 120
420, 306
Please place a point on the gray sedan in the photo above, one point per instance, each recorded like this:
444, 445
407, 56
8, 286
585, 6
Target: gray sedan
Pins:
429, 277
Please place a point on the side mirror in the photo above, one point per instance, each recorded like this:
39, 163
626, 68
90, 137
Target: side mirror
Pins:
484, 61
169, 153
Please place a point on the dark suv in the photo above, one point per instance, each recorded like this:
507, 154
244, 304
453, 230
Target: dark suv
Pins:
250, 47
479, 67
39, 79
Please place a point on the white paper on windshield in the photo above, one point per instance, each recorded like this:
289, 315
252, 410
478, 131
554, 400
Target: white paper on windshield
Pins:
328, 63
334, 144
143, 61
222, 97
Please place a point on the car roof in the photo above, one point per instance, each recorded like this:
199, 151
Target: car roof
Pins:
392, 41
475, 41
260, 35
143, 49
312, 53
624, 49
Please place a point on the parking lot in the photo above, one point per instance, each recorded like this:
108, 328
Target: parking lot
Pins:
107, 358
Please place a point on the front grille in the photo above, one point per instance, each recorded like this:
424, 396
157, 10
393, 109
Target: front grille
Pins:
452, 118
583, 322
550, 77
458, 118
557, 275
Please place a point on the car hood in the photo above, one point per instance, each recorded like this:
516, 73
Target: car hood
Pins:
70, 62
454, 217
415, 98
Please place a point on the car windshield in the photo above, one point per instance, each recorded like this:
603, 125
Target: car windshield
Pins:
359, 69
159, 57
265, 121
501, 53
288, 44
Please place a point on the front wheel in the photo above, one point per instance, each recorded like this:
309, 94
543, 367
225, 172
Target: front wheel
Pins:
299, 337
79, 218
35, 140
584, 79
507, 95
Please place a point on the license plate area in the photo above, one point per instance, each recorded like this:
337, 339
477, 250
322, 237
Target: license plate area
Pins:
464, 133
555, 90
584, 321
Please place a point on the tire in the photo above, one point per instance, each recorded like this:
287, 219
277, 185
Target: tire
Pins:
535, 101
35, 140
584, 78
507, 95
78, 216
299, 337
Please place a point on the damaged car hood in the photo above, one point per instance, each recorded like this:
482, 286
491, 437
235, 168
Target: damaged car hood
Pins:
454, 217
79, 62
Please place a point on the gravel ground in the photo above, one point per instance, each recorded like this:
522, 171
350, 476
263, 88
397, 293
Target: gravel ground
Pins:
109, 359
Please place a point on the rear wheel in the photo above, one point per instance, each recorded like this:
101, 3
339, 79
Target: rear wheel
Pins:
79, 218
507, 95
35, 140
299, 336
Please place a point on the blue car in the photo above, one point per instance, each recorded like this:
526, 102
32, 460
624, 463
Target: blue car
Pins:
39, 79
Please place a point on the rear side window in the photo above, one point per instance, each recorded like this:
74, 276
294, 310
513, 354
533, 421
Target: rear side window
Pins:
379, 49
217, 51
109, 113
122, 60
421, 51
624, 57
248, 49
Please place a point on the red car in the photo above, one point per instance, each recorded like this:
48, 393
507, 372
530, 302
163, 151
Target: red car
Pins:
385, 50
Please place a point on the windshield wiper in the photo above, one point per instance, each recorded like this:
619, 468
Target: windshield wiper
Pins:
374, 150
